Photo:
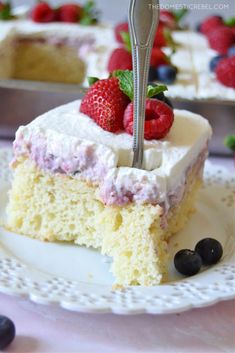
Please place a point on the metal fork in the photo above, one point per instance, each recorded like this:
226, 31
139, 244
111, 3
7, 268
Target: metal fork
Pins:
143, 20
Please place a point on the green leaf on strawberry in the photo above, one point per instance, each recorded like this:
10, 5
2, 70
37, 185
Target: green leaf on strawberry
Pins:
92, 80
90, 15
230, 142
6, 12
126, 40
126, 84
230, 22
169, 40
179, 14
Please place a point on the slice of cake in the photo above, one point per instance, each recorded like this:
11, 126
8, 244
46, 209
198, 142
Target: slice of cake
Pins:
73, 179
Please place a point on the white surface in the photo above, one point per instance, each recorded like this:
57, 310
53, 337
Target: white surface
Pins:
82, 281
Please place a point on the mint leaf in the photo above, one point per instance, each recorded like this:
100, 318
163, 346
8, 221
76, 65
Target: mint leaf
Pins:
230, 22
90, 15
127, 85
179, 14
154, 90
230, 142
125, 82
92, 80
126, 40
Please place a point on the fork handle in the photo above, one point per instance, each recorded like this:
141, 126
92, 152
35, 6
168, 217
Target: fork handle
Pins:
143, 20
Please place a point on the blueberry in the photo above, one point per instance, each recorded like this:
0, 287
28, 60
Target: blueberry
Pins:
166, 73
231, 51
187, 262
7, 332
210, 250
214, 62
152, 74
161, 97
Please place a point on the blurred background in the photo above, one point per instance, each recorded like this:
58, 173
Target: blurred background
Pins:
116, 10
27, 105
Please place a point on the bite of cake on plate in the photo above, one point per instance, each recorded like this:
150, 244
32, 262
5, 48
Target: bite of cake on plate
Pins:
74, 181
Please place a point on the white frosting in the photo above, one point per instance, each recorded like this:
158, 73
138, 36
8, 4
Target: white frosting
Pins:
204, 83
67, 132
185, 84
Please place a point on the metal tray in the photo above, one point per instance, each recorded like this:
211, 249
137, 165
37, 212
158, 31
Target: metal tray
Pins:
22, 101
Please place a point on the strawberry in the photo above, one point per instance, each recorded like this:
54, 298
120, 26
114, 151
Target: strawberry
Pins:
233, 29
42, 12
121, 27
159, 118
168, 19
120, 59
160, 39
6, 11
105, 103
69, 13
221, 39
158, 57
210, 23
225, 71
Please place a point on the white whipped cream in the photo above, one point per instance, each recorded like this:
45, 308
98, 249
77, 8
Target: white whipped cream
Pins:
205, 83
185, 84
67, 133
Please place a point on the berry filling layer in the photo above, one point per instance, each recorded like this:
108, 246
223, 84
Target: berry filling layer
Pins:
82, 44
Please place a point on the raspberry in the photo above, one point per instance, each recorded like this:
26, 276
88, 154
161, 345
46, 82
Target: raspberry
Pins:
210, 23
221, 39
159, 118
168, 18
69, 13
105, 103
120, 59
42, 12
158, 57
121, 27
160, 37
225, 71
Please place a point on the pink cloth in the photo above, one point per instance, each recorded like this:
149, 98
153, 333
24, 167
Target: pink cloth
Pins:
51, 329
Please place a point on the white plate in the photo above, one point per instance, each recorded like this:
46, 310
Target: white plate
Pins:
78, 279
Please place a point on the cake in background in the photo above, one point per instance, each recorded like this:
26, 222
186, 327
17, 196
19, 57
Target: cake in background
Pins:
73, 179
67, 44
54, 45
195, 65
